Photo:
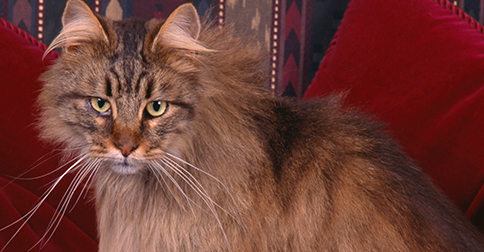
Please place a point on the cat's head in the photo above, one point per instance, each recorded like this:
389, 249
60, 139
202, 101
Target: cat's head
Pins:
127, 92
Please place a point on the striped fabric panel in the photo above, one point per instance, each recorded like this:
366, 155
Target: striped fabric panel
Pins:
282, 27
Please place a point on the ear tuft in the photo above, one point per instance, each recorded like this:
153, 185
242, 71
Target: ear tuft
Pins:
80, 25
180, 30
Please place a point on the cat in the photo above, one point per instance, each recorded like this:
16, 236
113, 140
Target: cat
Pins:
190, 152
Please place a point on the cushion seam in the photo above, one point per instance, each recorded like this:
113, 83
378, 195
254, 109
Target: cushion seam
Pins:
26, 36
461, 14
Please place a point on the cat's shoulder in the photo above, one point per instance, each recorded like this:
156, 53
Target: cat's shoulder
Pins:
327, 119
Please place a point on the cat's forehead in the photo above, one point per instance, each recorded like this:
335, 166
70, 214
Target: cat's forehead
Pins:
126, 70
130, 35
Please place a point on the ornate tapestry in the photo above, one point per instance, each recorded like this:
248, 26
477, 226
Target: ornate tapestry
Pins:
282, 27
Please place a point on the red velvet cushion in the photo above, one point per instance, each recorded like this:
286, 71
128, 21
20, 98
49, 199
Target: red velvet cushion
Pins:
20, 66
418, 65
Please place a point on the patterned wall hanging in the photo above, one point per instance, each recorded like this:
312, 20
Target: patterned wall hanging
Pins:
283, 28
294, 46
280, 26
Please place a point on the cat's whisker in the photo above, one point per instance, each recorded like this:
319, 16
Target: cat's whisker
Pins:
42, 160
239, 220
181, 171
157, 175
199, 189
90, 168
168, 165
201, 193
57, 215
90, 180
73, 168
69, 149
194, 185
160, 168
202, 171
91, 171
44, 196
64, 203
236, 210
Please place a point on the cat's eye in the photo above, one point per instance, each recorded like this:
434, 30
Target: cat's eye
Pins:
100, 105
156, 108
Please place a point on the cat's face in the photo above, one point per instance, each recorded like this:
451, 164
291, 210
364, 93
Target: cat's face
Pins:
126, 115
116, 96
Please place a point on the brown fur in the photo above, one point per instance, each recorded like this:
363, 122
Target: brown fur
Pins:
268, 174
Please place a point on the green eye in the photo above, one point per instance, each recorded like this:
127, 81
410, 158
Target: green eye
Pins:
100, 105
156, 108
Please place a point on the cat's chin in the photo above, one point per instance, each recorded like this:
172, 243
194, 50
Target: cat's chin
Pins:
125, 168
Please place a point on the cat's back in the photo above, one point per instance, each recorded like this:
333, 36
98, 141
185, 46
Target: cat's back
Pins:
339, 175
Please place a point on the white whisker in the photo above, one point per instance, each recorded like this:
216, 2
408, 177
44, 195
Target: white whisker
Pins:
91, 168
44, 196
214, 178
42, 160
91, 177
199, 189
235, 208
181, 172
176, 185
95, 167
64, 203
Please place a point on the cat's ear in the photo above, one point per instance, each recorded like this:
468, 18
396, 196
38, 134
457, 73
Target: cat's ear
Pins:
80, 25
180, 30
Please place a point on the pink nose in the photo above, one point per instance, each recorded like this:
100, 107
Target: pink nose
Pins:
126, 150
125, 142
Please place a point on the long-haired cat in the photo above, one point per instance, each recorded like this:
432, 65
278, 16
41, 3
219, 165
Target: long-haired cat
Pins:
190, 152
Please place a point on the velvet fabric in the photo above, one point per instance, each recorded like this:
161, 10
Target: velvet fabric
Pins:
21, 64
418, 66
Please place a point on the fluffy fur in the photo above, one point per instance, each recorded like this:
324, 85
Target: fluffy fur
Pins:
228, 166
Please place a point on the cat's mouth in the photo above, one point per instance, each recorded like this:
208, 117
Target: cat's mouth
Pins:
125, 166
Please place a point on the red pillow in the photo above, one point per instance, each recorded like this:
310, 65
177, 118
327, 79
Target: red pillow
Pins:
418, 65
20, 65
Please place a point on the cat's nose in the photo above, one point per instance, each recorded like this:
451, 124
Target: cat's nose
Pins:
126, 150
125, 142
126, 147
